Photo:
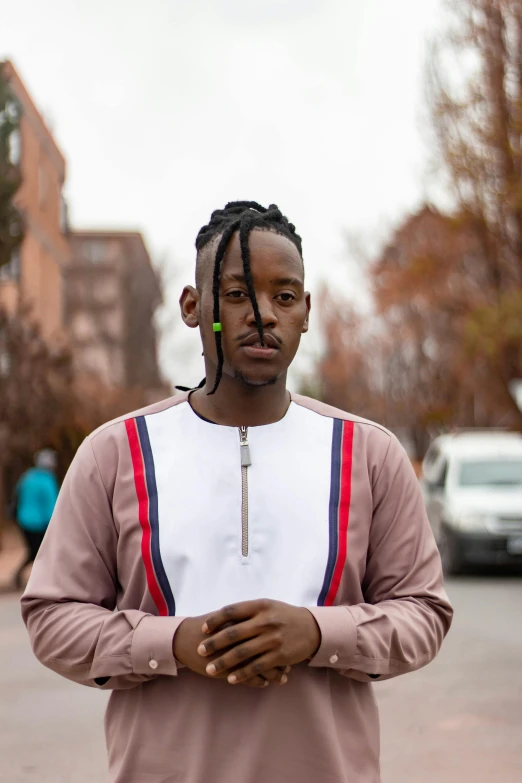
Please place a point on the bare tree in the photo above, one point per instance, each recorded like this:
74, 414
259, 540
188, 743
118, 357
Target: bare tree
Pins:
477, 118
11, 223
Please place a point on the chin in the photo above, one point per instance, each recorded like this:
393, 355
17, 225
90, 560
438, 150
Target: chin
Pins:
250, 380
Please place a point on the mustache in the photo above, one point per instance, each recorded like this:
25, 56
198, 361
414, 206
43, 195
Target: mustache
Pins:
247, 335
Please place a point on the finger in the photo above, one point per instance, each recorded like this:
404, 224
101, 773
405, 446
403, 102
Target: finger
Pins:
257, 682
277, 676
230, 636
234, 613
245, 651
260, 666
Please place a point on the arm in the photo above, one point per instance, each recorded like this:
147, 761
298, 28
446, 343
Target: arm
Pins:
69, 603
406, 613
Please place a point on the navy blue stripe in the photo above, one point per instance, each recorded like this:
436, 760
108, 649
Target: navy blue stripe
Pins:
335, 489
150, 475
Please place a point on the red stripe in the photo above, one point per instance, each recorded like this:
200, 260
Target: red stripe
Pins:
343, 517
143, 512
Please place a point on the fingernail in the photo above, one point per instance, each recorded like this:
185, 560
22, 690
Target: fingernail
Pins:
202, 650
232, 678
211, 669
205, 628
284, 679
266, 684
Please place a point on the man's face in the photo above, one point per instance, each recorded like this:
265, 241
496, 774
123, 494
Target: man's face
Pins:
278, 275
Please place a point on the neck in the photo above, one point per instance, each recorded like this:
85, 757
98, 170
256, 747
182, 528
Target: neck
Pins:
238, 404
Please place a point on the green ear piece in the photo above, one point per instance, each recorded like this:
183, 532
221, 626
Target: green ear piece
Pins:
217, 327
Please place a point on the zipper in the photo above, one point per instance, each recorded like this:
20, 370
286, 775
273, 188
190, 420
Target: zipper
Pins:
245, 464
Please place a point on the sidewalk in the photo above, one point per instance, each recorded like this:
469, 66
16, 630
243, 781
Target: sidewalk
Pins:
11, 555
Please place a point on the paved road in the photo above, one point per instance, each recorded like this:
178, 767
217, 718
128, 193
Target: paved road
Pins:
459, 720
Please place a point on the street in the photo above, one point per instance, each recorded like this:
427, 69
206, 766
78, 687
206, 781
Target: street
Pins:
458, 720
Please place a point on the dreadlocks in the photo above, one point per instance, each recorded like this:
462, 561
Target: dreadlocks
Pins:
242, 216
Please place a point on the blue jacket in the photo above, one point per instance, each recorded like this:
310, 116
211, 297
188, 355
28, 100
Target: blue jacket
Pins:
36, 493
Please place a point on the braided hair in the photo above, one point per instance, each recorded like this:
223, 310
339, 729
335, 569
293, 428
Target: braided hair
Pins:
242, 216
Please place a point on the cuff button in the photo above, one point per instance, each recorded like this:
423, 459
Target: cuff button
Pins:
153, 663
334, 659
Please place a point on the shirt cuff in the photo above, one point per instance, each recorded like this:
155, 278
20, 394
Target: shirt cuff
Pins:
152, 645
338, 637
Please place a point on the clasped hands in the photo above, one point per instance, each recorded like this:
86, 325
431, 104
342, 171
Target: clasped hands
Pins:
252, 643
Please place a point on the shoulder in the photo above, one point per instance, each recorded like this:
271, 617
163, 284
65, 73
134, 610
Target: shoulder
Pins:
26, 477
117, 427
371, 441
322, 409
107, 448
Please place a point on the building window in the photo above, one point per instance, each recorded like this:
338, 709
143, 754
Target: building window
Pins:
11, 270
15, 147
94, 251
10, 117
12, 110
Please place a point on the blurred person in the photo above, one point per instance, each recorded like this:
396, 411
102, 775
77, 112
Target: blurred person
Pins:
250, 539
35, 497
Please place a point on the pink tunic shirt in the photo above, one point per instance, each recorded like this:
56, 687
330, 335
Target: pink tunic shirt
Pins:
157, 520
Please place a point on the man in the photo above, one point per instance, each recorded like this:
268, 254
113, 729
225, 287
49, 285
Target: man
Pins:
35, 498
240, 532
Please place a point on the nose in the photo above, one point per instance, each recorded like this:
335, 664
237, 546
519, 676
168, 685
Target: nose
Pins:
266, 307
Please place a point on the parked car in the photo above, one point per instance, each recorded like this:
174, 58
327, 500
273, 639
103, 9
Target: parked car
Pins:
472, 485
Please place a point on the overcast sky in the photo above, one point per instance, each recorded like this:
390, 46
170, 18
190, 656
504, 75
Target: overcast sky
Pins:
168, 109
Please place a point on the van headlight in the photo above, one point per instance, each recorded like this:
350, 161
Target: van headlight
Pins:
473, 521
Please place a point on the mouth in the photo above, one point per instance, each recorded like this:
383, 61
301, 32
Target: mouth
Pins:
259, 351
269, 339
252, 347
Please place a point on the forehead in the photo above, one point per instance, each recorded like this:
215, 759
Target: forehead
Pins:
269, 253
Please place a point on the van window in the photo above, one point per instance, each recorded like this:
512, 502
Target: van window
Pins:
432, 455
491, 473
443, 472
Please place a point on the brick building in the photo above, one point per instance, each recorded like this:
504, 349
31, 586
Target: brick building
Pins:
96, 291
111, 294
34, 277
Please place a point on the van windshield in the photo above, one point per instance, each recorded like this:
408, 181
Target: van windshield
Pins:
491, 473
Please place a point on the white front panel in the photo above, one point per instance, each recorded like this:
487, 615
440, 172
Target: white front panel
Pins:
198, 476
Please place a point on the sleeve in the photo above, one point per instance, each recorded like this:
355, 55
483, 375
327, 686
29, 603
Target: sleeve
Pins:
406, 614
70, 601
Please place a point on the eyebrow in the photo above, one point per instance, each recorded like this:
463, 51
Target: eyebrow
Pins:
287, 281
233, 276
239, 278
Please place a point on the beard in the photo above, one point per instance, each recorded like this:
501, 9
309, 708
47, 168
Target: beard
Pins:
239, 376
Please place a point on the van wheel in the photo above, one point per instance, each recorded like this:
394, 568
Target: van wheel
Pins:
450, 553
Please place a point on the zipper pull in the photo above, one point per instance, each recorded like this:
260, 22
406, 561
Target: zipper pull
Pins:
244, 447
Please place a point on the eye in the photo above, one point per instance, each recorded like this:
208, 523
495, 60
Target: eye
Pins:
286, 296
237, 294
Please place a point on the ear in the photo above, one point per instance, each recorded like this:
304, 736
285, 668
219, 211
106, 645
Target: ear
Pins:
306, 324
189, 306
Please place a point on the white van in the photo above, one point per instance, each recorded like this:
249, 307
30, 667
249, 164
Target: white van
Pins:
472, 485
